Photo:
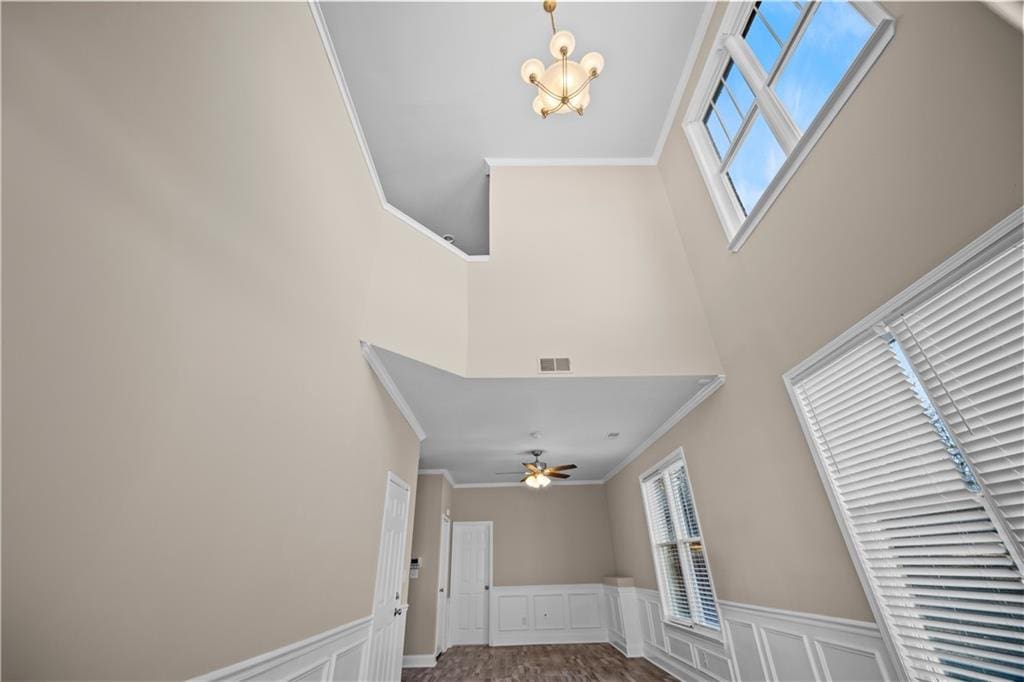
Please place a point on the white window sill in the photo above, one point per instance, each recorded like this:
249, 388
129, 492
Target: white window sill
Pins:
695, 630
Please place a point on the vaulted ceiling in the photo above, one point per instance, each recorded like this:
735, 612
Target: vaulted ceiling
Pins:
437, 91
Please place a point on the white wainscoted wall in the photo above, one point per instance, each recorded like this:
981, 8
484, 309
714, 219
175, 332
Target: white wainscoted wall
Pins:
337, 654
548, 614
758, 643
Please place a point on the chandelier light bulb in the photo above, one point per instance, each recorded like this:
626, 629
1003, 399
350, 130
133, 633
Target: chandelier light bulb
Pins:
543, 481
563, 40
564, 85
531, 67
533, 482
592, 63
538, 105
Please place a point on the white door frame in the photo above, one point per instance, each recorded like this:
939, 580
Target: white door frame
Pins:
400, 608
490, 571
443, 586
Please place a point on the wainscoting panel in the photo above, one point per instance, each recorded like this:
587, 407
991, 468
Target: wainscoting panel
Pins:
760, 644
541, 614
337, 654
778, 645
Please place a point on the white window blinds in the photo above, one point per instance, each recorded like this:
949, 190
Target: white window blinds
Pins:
919, 429
683, 574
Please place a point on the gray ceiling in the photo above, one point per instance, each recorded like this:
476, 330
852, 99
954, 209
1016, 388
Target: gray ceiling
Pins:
477, 427
436, 88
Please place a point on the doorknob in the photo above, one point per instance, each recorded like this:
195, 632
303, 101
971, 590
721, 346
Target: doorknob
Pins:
487, 587
441, 590
398, 612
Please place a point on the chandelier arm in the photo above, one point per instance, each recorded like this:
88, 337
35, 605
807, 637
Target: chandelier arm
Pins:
553, 29
560, 105
565, 74
580, 89
546, 91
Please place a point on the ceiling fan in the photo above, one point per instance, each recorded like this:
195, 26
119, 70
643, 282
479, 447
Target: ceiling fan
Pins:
539, 474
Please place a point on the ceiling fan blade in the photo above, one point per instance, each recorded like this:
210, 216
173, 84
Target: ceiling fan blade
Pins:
562, 467
523, 479
532, 467
554, 474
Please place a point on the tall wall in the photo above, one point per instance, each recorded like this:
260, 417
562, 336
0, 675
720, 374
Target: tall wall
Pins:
925, 156
194, 448
433, 500
585, 262
555, 536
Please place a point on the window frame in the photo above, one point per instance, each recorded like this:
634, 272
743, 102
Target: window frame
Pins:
1008, 230
663, 469
730, 45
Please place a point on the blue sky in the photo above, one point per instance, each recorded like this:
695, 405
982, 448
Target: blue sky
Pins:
828, 46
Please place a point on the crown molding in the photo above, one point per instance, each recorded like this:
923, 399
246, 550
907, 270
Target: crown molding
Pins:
691, 61
522, 485
392, 388
496, 162
339, 77
688, 407
438, 472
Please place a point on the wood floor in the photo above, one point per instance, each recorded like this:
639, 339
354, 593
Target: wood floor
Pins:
540, 662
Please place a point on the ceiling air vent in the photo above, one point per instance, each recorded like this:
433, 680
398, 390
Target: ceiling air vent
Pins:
554, 366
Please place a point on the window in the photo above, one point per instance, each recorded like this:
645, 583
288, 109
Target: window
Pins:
784, 69
684, 578
917, 427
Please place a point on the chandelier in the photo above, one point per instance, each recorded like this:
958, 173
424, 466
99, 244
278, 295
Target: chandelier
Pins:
565, 85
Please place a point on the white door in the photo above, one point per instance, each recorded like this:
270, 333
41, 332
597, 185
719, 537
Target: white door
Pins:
471, 582
441, 643
384, 660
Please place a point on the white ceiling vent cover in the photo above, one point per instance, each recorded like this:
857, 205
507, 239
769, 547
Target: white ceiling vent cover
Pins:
554, 365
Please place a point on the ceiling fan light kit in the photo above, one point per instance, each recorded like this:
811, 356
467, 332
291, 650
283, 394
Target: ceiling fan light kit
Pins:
565, 85
539, 474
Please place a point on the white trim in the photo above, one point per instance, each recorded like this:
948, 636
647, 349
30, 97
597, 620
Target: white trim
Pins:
523, 485
948, 268
677, 97
688, 407
419, 661
498, 162
342, 639
435, 472
339, 77
737, 227
976, 249
860, 627
392, 388
529, 601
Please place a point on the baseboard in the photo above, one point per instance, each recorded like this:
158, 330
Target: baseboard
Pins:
419, 661
673, 667
337, 653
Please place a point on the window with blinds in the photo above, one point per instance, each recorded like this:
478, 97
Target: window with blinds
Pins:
684, 577
918, 428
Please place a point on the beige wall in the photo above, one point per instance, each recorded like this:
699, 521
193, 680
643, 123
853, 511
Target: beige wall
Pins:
433, 500
194, 447
925, 156
555, 536
585, 262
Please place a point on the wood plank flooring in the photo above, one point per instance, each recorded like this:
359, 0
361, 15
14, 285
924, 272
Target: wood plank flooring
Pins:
540, 662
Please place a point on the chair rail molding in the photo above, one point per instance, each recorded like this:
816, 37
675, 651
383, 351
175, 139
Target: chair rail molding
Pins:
336, 654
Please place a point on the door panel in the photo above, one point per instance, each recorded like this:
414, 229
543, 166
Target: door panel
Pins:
384, 660
471, 571
441, 630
